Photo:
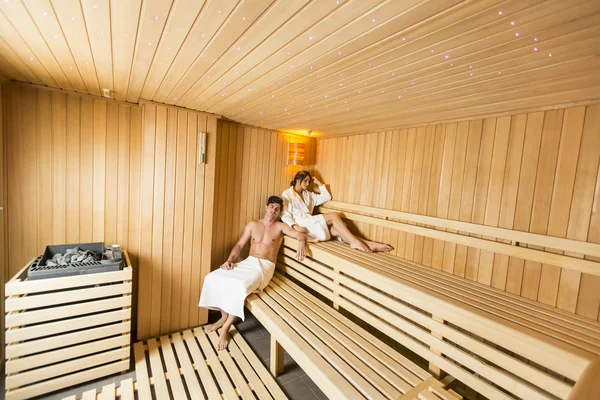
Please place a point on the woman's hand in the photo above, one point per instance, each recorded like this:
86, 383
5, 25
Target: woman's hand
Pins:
299, 228
227, 265
317, 182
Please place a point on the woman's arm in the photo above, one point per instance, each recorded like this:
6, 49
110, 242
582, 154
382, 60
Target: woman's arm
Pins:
322, 197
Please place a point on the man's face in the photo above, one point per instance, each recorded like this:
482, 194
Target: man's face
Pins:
273, 210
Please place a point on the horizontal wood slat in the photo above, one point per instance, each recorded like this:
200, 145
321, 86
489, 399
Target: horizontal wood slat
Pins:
575, 264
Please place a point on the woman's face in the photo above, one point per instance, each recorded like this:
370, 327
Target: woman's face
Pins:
304, 183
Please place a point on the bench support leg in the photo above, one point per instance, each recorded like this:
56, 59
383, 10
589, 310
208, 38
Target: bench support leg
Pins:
276, 362
434, 369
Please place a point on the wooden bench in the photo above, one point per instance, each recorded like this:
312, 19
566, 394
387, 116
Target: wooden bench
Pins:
186, 365
344, 360
498, 344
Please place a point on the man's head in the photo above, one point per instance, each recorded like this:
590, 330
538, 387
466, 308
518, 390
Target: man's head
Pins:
302, 179
274, 207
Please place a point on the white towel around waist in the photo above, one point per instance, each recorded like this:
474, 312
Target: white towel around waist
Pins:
227, 289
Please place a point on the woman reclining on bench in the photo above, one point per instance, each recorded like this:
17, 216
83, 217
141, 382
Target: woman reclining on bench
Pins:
299, 204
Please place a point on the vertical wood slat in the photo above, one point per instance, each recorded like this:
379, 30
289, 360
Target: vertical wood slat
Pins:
536, 172
81, 168
3, 230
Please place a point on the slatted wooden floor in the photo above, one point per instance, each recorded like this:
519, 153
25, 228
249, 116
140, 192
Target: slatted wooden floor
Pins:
186, 365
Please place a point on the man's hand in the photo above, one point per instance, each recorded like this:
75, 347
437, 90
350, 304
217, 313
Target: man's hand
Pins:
227, 265
299, 228
301, 251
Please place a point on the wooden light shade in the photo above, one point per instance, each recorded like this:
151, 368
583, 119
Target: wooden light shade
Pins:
296, 154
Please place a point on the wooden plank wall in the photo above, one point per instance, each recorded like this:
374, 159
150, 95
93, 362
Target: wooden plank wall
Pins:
3, 254
536, 172
82, 169
176, 205
252, 166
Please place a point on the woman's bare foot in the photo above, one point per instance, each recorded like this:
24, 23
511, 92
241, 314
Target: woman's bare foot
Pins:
216, 325
359, 245
224, 338
379, 247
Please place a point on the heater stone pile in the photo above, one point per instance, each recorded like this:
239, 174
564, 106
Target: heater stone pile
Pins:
72, 256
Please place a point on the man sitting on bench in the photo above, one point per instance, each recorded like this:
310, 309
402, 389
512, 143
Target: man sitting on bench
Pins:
226, 289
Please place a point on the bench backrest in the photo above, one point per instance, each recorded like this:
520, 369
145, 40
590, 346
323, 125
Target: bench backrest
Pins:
501, 351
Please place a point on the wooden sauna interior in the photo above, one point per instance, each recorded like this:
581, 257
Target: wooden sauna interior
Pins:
485, 112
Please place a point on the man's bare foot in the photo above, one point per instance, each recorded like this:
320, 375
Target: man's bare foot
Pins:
380, 247
359, 245
216, 325
224, 338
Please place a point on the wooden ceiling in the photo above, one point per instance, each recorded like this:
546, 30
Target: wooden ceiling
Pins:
334, 67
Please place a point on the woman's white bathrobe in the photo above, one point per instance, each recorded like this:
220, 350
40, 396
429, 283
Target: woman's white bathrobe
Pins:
298, 210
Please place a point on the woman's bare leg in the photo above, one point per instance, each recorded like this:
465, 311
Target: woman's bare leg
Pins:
339, 228
219, 323
378, 247
224, 336
373, 246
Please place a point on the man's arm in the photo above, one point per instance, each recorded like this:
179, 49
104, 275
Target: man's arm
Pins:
235, 251
301, 250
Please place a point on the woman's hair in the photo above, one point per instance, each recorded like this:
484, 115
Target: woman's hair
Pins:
300, 175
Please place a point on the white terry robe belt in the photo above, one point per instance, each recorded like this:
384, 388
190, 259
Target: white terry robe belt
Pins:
227, 289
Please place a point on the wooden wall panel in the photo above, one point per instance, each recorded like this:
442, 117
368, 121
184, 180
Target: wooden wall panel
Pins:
175, 228
252, 165
535, 172
3, 221
80, 169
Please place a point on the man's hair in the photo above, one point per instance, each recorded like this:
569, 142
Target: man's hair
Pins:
300, 175
275, 200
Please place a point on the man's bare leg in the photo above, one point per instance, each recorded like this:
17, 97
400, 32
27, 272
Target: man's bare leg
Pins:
224, 336
339, 228
219, 323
